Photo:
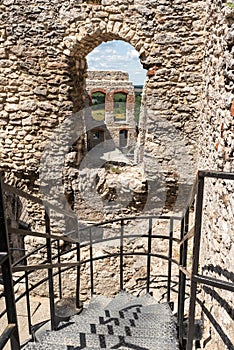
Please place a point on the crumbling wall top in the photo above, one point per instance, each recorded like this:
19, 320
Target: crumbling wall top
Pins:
107, 75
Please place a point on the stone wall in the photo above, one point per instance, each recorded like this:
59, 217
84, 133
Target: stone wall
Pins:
43, 48
43, 71
216, 153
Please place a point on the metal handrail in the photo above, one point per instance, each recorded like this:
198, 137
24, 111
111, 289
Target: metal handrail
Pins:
194, 276
91, 241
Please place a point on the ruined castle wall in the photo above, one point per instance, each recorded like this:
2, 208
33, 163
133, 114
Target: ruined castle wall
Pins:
216, 153
43, 46
43, 71
110, 83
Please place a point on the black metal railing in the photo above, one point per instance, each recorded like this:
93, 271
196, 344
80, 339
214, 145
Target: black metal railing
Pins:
193, 276
89, 237
11, 331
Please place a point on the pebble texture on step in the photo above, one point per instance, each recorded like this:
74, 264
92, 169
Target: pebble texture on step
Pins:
125, 322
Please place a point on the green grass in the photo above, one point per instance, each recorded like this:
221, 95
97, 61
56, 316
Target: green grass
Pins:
98, 114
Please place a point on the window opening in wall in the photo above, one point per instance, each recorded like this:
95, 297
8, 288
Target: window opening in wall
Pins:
98, 106
123, 138
118, 55
120, 100
95, 137
138, 97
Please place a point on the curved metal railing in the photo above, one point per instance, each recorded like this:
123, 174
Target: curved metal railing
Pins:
90, 236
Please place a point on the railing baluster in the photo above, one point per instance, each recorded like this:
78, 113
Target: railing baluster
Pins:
182, 278
196, 254
78, 256
59, 271
50, 271
28, 300
78, 304
91, 261
169, 261
149, 256
7, 276
121, 254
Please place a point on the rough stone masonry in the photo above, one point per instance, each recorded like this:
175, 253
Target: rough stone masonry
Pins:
187, 113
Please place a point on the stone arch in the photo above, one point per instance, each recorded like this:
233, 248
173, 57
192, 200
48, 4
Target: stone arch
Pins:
80, 45
86, 40
121, 91
97, 90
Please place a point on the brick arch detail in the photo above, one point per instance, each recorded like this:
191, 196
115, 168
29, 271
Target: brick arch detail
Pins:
120, 91
97, 90
93, 92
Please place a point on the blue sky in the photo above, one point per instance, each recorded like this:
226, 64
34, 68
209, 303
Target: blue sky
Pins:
117, 55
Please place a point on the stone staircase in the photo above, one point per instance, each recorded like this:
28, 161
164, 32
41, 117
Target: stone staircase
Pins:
124, 322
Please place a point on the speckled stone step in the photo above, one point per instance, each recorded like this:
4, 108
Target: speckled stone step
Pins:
98, 301
122, 319
83, 340
44, 346
152, 331
125, 322
122, 301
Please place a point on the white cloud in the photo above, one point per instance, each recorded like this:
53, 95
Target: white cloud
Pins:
117, 55
132, 54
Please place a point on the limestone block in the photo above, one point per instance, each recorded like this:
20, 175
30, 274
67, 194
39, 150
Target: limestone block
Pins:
117, 27
116, 17
4, 115
110, 26
40, 90
28, 106
12, 107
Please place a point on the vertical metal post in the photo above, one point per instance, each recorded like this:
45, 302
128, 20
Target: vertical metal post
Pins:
121, 254
59, 271
91, 260
169, 257
182, 279
149, 255
78, 303
7, 276
50, 270
196, 253
28, 300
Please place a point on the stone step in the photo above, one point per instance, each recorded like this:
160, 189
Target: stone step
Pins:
122, 301
122, 318
82, 340
125, 322
161, 330
45, 346
98, 302
141, 322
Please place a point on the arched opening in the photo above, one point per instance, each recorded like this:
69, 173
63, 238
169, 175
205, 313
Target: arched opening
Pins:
120, 105
98, 105
108, 93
